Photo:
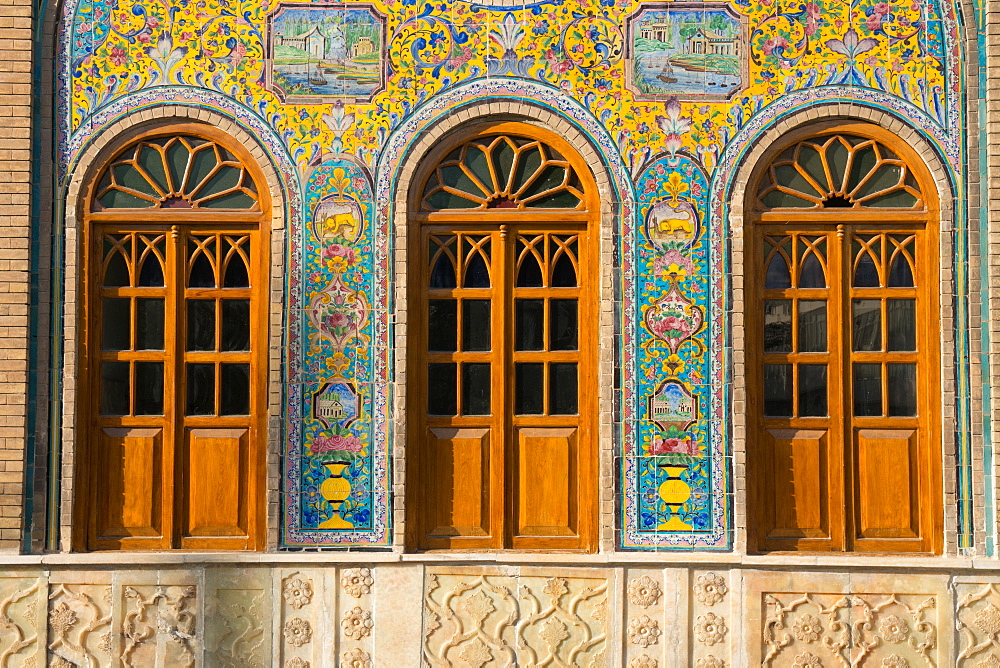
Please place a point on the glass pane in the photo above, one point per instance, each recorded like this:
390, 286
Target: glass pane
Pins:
812, 163
130, 178
114, 388
177, 159
152, 163
202, 273
529, 316
236, 273
897, 199
443, 199
811, 273
475, 324
200, 389
812, 326
442, 389
530, 274
443, 273
528, 163
778, 326
867, 319
453, 176
865, 274
812, 390
476, 273
564, 274
560, 199
867, 389
235, 324
837, 155
201, 324
476, 389
235, 388
778, 390
116, 199
563, 324
503, 160
901, 315
886, 176
442, 325
202, 164
477, 163
900, 274
117, 324
902, 388
116, 275
234, 200
529, 386
148, 324
226, 178
776, 199
149, 388
864, 161
151, 274
563, 393
778, 276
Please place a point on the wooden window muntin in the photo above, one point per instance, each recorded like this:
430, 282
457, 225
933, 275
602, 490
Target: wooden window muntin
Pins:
501, 517
833, 453
206, 508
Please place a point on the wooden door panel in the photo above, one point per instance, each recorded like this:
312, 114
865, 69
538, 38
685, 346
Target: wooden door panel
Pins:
886, 487
797, 494
218, 474
545, 492
456, 486
130, 497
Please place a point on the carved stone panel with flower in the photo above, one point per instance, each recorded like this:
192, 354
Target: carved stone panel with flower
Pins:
21, 636
159, 621
710, 589
643, 591
357, 581
977, 618
810, 630
474, 616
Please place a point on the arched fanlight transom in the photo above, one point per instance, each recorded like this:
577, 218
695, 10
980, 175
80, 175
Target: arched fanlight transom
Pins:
840, 171
177, 172
503, 172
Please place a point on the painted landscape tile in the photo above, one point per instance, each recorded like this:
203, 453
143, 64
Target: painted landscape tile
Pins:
324, 52
688, 51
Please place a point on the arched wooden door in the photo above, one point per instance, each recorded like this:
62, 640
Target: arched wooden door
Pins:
501, 449
843, 448
173, 346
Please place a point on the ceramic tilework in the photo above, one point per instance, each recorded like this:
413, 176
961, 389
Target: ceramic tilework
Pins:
671, 163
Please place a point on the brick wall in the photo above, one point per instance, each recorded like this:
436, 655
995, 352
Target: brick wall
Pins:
15, 218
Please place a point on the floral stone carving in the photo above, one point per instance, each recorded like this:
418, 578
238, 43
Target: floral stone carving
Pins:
710, 589
296, 662
807, 660
710, 628
644, 631
643, 591
356, 658
644, 661
808, 628
710, 662
357, 623
297, 632
893, 629
357, 581
297, 592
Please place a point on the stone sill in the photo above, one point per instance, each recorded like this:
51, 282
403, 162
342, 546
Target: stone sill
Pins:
613, 559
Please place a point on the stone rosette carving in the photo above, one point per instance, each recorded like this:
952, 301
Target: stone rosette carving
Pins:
479, 606
296, 662
644, 661
61, 619
807, 660
357, 623
555, 588
356, 658
357, 581
643, 591
710, 629
893, 629
644, 631
808, 628
553, 632
709, 662
710, 589
297, 632
298, 592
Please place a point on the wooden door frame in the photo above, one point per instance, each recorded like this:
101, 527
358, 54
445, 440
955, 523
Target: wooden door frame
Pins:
588, 218
88, 409
931, 521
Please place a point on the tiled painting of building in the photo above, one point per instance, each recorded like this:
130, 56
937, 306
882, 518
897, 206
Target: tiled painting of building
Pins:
611, 333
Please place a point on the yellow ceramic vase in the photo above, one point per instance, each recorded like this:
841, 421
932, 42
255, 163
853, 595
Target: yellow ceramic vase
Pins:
674, 492
335, 490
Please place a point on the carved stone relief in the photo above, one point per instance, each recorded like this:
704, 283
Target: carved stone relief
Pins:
20, 627
497, 617
299, 597
711, 630
79, 624
159, 625
819, 630
977, 618
356, 627
239, 607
